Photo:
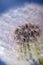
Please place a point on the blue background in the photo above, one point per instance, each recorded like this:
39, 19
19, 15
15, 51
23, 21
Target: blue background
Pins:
7, 4
2, 63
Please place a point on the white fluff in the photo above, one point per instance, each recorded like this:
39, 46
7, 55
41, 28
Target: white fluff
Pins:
9, 21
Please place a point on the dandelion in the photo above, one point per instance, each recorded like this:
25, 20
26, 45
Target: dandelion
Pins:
25, 35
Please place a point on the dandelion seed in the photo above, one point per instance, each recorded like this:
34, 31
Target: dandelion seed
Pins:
27, 33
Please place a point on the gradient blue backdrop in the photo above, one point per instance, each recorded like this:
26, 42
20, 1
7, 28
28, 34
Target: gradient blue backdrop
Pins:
2, 63
7, 4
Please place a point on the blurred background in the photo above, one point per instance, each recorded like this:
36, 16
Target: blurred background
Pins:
6, 5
